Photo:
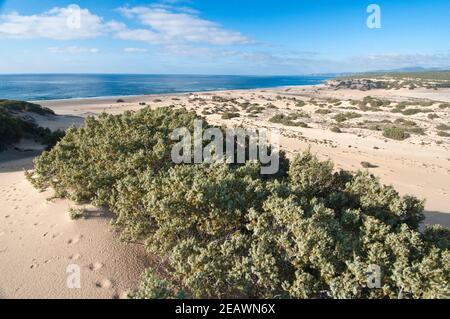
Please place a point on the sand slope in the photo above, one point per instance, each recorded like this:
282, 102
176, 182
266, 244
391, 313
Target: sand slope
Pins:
38, 241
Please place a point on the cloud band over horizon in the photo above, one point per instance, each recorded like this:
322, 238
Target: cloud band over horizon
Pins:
180, 37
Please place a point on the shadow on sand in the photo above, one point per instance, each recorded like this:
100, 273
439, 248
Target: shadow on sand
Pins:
98, 213
437, 218
15, 161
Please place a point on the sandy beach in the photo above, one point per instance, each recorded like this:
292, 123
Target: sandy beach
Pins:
38, 240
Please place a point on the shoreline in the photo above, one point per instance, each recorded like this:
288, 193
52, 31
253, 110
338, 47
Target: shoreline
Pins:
134, 98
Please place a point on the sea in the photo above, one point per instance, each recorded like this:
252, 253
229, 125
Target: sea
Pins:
35, 87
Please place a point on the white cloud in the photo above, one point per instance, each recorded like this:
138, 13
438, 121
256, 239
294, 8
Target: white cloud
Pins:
67, 23
397, 60
135, 50
167, 25
138, 35
72, 50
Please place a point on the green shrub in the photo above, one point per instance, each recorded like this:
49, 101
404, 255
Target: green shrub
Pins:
443, 127
10, 130
368, 165
396, 133
255, 109
300, 103
342, 117
13, 129
230, 115
76, 213
22, 106
288, 120
323, 111
126, 144
225, 231
153, 287
411, 111
432, 116
336, 129
426, 103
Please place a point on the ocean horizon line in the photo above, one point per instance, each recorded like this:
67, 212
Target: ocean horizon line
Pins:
178, 74
39, 87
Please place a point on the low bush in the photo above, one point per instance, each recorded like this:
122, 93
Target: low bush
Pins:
13, 129
300, 103
396, 133
443, 127
230, 115
443, 134
368, 165
411, 111
10, 130
288, 120
225, 231
336, 129
342, 117
22, 106
323, 111
76, 213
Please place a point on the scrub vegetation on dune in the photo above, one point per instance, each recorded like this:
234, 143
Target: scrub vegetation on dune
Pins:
225, 231
15, 125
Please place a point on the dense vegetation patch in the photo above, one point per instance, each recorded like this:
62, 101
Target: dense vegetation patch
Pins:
13, 127
396, 133
223, 231
230, 115
342, 117
22, 106
290, 119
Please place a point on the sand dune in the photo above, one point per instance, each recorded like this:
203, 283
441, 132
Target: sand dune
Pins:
38, 241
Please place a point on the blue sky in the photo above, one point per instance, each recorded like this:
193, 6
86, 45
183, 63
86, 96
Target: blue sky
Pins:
261, 37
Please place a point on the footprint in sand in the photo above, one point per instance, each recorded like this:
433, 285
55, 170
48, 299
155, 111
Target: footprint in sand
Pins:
75, 257
121, 295
75, 240
95, 266
104, 284
34, 265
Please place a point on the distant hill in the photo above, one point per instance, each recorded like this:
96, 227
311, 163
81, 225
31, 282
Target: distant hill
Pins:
441, 75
